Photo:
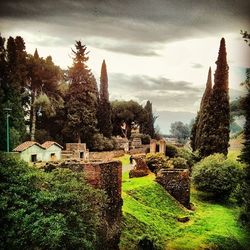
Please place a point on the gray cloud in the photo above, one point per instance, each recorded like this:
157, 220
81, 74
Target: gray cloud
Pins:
197, 65
142, 22
164, 93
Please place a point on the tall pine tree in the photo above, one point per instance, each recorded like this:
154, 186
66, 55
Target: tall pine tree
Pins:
81, 99
104, 107
199, 121
214, 136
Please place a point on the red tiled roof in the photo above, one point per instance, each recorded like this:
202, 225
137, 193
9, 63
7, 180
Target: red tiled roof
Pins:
48, 144
25, 145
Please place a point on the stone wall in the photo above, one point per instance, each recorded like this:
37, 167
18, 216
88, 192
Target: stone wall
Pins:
106, 176
106, 155
157, 146
177, 183
142, 150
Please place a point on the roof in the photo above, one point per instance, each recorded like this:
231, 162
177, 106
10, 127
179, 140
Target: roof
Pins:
25, 145
48, 144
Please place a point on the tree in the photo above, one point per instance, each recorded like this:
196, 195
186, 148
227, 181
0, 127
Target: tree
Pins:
44, 94
124, 114
180, 131
199, 121
214, 135
148, 125
245, 153
12, 83
104, 107
81, 99
47, 210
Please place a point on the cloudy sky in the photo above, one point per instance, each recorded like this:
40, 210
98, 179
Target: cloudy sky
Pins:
157, 50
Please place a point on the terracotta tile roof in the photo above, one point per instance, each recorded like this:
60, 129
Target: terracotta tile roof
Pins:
25, 145
48, 144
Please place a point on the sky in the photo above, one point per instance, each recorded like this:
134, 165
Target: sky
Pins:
157, 50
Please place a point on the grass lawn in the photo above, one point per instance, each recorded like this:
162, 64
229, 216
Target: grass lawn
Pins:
148, 210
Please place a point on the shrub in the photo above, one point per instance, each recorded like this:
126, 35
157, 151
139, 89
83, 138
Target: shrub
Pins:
171, 150
217, 175
156, 161
55, 210
102, 143
187, 155
179, 162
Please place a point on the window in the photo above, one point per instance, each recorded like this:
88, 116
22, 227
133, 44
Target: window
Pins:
53, 156
33, 158
157, 150
81, 155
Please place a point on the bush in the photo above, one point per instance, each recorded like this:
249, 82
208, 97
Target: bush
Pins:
178, 162
171, 150
156, 161
217, 175
55, 210
102, 143
187, 155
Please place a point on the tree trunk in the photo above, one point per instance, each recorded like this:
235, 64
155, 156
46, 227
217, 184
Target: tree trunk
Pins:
33, 117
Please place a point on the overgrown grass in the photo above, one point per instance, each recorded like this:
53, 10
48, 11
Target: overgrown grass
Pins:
148, 210
124, 159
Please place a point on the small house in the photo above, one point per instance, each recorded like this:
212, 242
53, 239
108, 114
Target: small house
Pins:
30, 151
52, 151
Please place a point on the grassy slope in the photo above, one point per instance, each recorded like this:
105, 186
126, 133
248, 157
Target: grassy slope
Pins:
149, 211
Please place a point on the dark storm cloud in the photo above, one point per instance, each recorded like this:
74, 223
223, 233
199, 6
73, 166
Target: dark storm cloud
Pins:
141, 23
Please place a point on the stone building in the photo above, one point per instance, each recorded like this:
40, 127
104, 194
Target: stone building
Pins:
31, 151
158, 146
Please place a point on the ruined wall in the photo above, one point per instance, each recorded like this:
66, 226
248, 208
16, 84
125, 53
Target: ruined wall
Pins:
142, 150
106, 176
177, 183
106, 155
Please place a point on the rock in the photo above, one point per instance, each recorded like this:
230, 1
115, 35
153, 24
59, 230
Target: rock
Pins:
141, 169
183, 219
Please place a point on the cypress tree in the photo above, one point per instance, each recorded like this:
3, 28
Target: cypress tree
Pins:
199, 121
104, 109
148, 125
81, 99
214, 135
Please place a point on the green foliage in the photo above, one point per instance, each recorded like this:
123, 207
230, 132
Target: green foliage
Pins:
177, 162
145, 139
127, 112
39, 210
217, 175
190, 157
102, 143
156, 161
171, 150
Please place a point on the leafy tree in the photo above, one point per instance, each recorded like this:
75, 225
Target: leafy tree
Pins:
214, 135
104, 109
53, 210
44, 94
124, 114
148, 125
81, 99
180, 131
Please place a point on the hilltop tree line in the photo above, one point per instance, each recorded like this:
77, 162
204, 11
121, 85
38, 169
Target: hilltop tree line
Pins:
48, 103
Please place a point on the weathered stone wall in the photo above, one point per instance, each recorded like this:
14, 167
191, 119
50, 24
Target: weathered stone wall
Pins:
106, 176
177, 183
161, 145
142, 150
106, 155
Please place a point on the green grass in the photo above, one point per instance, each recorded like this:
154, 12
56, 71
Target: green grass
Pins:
124, 159
148, 210
233, 154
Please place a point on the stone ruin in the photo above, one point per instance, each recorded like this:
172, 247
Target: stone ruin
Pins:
177, 183
77, 151
140, 169
106, 176
122, 143
158, 146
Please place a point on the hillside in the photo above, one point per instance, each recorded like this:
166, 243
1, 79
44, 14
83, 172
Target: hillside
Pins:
149, 211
